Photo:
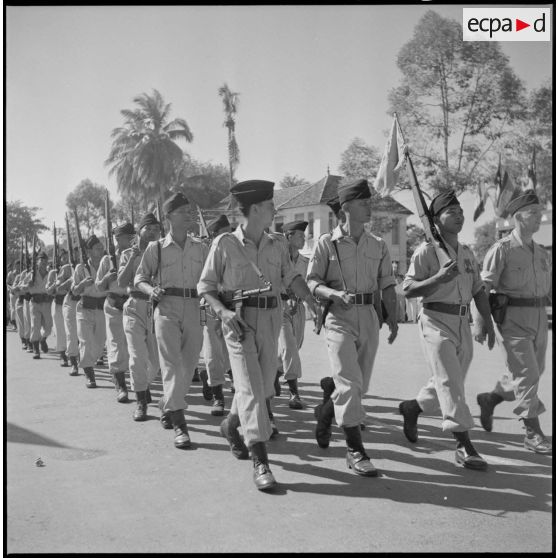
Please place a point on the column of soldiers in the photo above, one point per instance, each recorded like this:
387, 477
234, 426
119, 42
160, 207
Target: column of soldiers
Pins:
240, 300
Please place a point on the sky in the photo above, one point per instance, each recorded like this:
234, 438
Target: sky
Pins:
310, 78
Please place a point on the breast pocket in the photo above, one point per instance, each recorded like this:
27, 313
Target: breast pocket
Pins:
371, 266
238, 274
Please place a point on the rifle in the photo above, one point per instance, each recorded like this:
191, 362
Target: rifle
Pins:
55, 251
322, 310
82, 252
233, 300
21, 262
111, 251
27, 262
160, 217
34, 260
70, 243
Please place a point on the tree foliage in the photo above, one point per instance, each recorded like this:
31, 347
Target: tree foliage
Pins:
415, 236
456, 102
485, 237
21, 221
290, 181
230, 106
144, 156
89, 200
360, 160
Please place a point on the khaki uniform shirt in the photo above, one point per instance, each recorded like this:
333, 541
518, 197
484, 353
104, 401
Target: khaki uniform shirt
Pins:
104, 268
80, 274
40, 282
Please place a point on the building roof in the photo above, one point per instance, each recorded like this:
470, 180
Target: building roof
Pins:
319, 193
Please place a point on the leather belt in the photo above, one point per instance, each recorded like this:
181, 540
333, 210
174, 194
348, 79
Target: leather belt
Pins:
361, 299
535, 302
262, 302
285, 297
74, 297
39, 298
59, 298
117, 300
183, 293
93, 302
455, 309
21, 298
139, 295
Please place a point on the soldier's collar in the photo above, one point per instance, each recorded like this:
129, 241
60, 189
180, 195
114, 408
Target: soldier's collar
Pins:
337, 233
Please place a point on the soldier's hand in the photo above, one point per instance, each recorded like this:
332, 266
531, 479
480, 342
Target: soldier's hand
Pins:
448, 272
87, 281
110, 276
157, 294
234, 323
341, 298
491, 338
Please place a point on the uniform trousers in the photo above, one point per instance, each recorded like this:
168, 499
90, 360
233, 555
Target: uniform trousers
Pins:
215, 353
70, 326
20, 322
142, 346
13, 302
352, 340
26, 319
117, 347
523, 337
179, 342
254, 367
291, 337
41, 320
447, 344
59, 330
91, 334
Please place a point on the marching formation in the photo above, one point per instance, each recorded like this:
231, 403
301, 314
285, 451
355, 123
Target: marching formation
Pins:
157, 303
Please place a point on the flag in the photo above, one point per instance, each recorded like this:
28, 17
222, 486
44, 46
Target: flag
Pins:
532, 172
505, 190
481, 197
392, 161
203, 226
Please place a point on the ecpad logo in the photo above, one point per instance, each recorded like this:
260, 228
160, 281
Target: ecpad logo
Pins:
506, 24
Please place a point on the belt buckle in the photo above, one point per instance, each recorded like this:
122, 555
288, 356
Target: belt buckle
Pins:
262, 302
462, 309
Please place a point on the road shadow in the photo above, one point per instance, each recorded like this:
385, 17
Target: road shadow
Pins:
19, 435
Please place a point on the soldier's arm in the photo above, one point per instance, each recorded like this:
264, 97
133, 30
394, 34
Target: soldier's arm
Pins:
80, 280
104, 275
386, 282
493, 266
64, 280
50, 285
147, 266
126, 268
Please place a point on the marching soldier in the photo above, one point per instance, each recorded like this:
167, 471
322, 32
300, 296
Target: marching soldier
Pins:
12, 298
106, 280
57, 316
291, 335
89, 310
250, 259
174, 264
347, 267
445, 331
215, 351
39, 306
519, 271
24, 279
19, 312
69, 303
137, 314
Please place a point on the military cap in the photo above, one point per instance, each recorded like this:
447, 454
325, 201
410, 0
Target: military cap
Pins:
176, 200
443, 200
148, 219
216, 224
126, 228
91, 241
356, 190
252, 191
42, 256
62, 251
295, 226
334, 205
523, 199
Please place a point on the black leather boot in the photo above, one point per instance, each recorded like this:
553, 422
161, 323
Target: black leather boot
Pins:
410, 410
30, 348
230, 375
74, 363
276, 384
328, 385
487, 402
263, 477
357, 460
274, 429
90, 377
165, 419
218, 407
140, 414
148, 398
44, 346
229, 430
64, 359
294, 401
121, 388
466, 454
325, 414
534, 437
37, 354
181, 438
23, 343
207, 392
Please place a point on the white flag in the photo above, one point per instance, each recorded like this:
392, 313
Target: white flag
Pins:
392, 162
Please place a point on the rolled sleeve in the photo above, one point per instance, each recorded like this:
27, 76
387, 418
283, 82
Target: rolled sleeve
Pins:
212, 272
317, 267
385, 272
493, 265
147, 266
104, 267
419, 268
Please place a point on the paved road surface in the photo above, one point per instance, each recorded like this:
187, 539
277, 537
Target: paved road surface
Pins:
112, 485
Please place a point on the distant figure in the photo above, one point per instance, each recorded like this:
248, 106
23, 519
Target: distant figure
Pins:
401, 310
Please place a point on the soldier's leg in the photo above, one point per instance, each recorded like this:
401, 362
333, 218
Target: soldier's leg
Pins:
86, 324
191, 342
59, 331
27, 319
70, 328
100, 333
19, 323
35, 329
117, 349
46, 319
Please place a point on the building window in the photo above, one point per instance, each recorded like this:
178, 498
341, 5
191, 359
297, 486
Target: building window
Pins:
279, 223
330, 221
299, 217
395, 232
310, 228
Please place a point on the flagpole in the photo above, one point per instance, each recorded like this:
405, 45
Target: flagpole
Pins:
431, 232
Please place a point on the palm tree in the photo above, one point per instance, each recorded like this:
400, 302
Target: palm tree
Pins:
144, 156
230, 103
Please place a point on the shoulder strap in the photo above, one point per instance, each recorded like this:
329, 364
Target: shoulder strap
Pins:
334, 244
254, 266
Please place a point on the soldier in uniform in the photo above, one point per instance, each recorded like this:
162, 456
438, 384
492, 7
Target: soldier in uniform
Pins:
347, 267
445, 332
19, 316
142, 346
12, 298
291, 335
519, 270
89, 310
39, 306
168, 272
215, 353
64, 285
57, 315
106, 280
244, 260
